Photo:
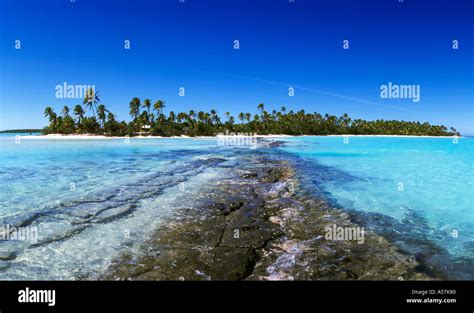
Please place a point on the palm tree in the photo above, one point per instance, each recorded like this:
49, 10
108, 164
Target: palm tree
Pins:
147, 105
48, 112
134, 106
79, 112
181, 117
207, 117
261, 107
247, 116
242, 116
192, 114
65, 111
201, 116
214, 117
135, 110
110, 117
101, 114
52, 117
158, 106
172, 117
91, 100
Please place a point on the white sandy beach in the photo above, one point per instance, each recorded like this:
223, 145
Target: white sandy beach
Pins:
400, 136
92, 136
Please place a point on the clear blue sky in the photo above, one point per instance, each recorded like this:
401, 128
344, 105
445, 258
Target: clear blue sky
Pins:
282, 44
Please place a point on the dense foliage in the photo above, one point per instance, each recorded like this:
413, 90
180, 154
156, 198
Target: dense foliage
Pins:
148, 119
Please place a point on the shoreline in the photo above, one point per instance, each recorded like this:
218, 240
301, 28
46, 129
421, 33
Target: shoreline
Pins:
92, 136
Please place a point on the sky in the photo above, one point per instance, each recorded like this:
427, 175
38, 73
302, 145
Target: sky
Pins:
283, 44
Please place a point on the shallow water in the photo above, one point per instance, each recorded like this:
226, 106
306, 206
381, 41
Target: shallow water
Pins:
93, 199
424, 186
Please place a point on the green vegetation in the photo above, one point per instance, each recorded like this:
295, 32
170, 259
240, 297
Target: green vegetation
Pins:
148, 119
21, 131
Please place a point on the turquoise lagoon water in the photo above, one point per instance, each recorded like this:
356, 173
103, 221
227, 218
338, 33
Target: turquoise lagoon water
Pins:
95, 198
91, 199
418, 191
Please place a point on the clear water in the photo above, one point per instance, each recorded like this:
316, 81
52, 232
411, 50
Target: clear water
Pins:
425, 185
93, 199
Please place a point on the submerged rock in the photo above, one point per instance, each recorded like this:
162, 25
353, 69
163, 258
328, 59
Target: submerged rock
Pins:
7, 255
252, 226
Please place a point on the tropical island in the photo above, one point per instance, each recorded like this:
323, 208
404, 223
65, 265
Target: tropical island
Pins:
26, 130
148, 119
